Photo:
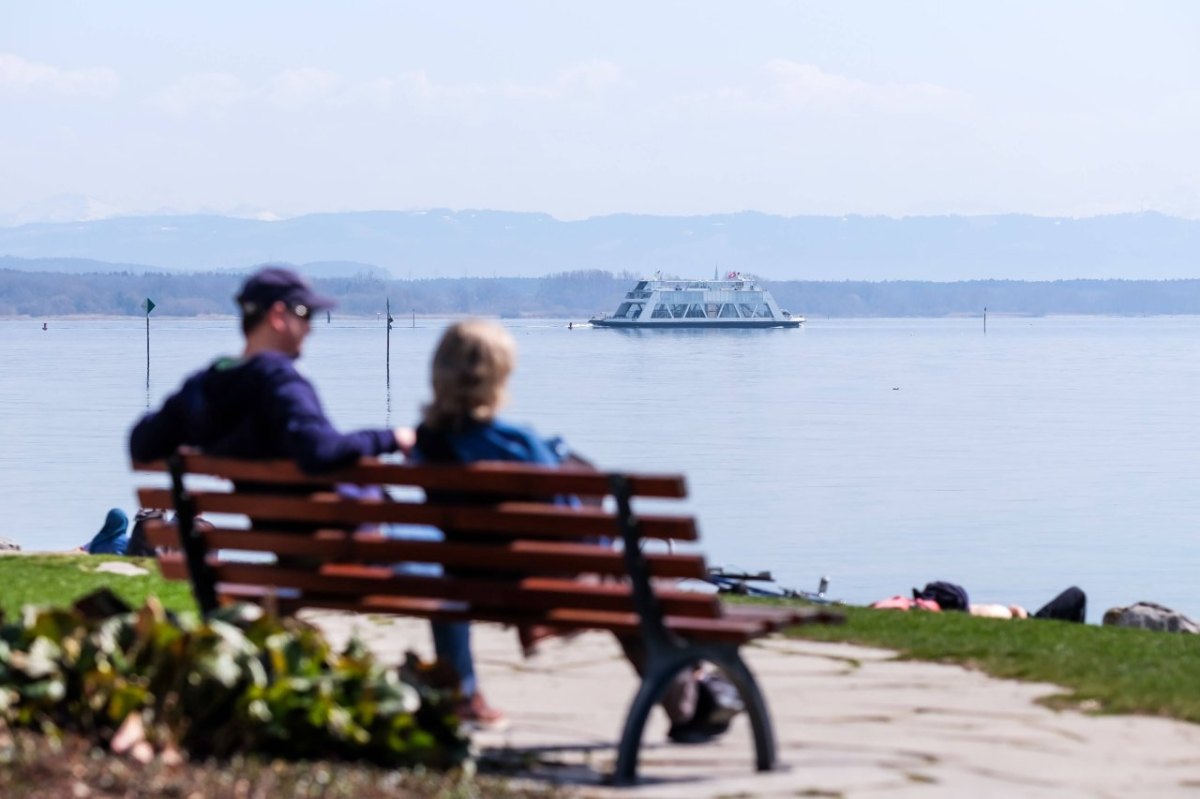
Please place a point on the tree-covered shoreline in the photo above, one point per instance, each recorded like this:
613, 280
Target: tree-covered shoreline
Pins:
583, 293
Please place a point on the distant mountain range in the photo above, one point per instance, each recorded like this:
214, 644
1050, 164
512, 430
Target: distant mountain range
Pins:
443, 243
91, 266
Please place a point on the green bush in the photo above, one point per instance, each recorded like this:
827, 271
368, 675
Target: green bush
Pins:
240, 681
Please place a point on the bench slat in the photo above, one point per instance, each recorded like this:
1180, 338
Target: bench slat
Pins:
486, 477
733, 628
521, 555
530, 593
780, 618
625, 624
172, 567
524, 518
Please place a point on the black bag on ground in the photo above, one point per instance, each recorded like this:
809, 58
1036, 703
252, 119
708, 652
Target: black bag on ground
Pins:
948, 595
717, 702
138, 546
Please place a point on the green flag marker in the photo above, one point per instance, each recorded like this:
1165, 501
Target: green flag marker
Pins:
148, 305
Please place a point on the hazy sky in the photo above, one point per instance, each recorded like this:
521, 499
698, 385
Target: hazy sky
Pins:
587, 108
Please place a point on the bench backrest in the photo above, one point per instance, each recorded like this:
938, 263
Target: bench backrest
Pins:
512, 553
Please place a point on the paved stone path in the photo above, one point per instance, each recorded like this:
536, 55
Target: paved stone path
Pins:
851, 722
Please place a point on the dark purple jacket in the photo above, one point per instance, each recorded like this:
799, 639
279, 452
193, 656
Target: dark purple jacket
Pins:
260, 407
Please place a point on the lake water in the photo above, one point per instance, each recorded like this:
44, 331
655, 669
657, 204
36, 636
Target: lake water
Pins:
883, 453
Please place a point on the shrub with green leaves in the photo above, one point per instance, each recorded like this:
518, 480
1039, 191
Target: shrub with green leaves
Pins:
240, 681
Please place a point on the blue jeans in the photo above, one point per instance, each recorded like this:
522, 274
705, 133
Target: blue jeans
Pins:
452, 643
451, 640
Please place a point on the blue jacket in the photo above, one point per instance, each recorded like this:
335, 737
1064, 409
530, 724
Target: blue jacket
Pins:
260, 407
496, 440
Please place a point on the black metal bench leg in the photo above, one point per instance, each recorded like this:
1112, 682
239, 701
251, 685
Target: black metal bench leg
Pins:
659, 673
756, 706
204, 586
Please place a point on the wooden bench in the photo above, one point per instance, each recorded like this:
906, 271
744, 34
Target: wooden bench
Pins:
526, 560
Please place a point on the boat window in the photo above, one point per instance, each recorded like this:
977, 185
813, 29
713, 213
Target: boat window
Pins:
696, 311
622, 310
729, 311
635, 311
641, 286
678, 311
661, 312
711, 310
747, 310
763, 312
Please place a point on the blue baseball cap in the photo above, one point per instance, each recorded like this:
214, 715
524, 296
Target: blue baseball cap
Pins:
273, 284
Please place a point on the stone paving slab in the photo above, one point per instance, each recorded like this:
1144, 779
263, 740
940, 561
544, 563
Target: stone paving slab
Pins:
850, 722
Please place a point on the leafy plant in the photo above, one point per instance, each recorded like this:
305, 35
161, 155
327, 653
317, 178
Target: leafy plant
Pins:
240, 681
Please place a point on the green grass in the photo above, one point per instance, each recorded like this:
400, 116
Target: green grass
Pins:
1109, 669
59, 580
1115, 670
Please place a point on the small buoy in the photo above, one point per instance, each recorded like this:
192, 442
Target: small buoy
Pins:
44, 326
895, 388
570, 325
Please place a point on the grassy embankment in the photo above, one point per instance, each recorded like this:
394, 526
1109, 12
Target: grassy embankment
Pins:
1110, 669
61, 579
1106, 669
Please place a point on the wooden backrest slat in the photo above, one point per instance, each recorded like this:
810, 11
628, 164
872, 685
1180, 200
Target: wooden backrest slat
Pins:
158, 498
778, 618
161, 533
490, 477
510, 518
625, 624
172, 566
521, 593
525, 556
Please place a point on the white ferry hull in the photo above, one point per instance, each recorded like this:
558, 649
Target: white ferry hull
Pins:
672, 324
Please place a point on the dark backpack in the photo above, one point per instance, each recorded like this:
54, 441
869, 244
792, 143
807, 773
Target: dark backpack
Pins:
717, 702
139, 547
948, 595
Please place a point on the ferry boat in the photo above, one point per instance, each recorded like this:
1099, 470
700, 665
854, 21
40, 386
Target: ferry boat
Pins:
736, 301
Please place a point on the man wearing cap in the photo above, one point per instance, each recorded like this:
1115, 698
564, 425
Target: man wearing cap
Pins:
258, 405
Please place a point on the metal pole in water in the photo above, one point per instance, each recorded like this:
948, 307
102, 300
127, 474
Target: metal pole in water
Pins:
149, 306
388, 350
